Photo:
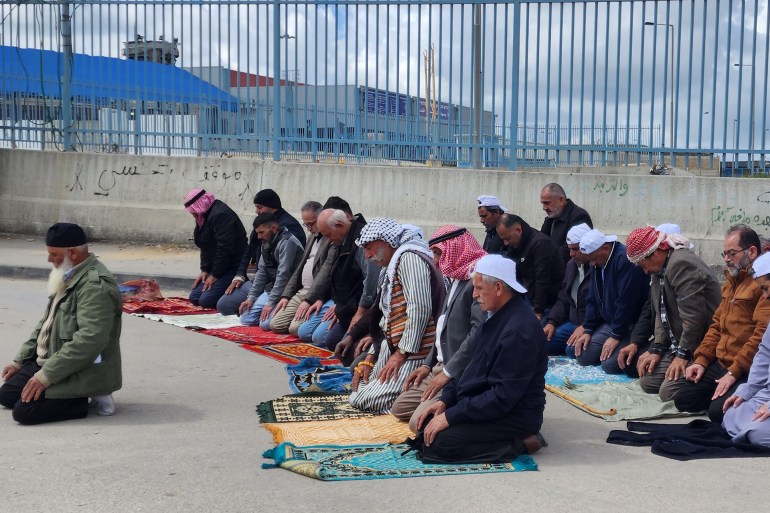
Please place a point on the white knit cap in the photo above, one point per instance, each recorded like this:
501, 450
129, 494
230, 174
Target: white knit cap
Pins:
576, 233
504, 269
491, 201
593, 240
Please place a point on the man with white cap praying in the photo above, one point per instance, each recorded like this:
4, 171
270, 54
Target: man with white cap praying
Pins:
411, 295
494, 411
684, 294
615, 298
723, 359
490, 211
569, 311
747, 410
74, 352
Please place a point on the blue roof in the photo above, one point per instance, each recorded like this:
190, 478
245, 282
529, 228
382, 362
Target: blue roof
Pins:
37, 72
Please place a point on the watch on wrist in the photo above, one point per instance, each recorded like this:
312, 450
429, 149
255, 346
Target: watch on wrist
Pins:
401, 351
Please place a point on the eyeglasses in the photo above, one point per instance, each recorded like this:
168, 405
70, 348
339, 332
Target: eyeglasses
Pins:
731, 253
310, 224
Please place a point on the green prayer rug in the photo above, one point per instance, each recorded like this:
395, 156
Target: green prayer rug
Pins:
309, 406
383, 461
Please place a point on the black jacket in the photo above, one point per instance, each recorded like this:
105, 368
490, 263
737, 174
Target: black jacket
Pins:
252, 252
347, 277
558, 227
221, 239
565, 308
538, 267
493, 244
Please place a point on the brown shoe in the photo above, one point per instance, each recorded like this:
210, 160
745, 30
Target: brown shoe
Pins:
534, 443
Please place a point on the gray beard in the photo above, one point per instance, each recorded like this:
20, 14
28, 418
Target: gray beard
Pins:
56, 282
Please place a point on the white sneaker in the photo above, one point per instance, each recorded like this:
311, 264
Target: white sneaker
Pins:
104, 404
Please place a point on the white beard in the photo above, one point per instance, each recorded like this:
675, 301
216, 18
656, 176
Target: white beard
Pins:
56, 282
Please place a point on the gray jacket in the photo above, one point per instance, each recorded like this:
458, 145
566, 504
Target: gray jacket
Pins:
321, 287
277, 261
462, 317
691, 294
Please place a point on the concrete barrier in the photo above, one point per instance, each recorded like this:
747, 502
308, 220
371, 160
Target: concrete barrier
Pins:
137, 198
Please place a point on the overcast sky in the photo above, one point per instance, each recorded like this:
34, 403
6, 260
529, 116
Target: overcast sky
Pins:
581, 64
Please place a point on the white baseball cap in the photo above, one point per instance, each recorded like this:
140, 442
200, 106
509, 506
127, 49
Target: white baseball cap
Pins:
504, 269
576, 233
593, 240
491, 201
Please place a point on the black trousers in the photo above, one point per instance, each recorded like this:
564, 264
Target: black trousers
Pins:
497, 441
42, 410
696, 397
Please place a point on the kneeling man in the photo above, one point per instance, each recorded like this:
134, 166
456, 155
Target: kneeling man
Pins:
494, 411
74, 353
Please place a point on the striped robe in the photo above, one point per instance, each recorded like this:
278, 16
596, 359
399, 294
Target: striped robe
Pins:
410, 326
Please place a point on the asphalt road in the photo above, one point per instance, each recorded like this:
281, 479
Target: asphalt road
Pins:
185, 437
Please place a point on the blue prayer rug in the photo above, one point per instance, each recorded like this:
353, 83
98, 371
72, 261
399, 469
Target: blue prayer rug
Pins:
563, 371
310, 375
382, 461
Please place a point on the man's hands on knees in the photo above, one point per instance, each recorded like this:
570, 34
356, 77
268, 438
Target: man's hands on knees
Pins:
32, 390
415, 377
580, 342
626, 356
245, 307
201, 277
676, 369
437, 384
235, 284
437, 423
9, 371
549, 330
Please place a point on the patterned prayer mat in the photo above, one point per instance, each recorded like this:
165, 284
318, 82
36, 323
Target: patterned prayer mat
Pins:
345, 463
308, 407
566, 371
617, 401
169, 305
293, 353
366, 430
310, 375
195, 321
252, 335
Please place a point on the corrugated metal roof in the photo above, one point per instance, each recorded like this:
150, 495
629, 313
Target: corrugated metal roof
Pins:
37, 72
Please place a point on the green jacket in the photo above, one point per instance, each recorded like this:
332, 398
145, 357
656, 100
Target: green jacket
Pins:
86, 327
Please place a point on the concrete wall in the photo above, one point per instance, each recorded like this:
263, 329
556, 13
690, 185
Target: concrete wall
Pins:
139, 199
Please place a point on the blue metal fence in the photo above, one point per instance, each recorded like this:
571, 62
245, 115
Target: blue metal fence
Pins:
439, 82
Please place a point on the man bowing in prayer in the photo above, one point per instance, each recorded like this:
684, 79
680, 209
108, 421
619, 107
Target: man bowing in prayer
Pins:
494, 411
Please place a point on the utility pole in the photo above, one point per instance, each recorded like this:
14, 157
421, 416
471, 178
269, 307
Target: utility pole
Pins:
66, 86
476, 151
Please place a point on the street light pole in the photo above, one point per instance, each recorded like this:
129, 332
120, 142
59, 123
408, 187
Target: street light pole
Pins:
751, 114
671, 100
289, 97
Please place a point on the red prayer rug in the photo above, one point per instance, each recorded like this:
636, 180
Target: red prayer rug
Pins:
167, 306
251, 335
293, 353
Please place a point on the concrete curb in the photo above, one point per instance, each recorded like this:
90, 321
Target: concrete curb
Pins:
41, 273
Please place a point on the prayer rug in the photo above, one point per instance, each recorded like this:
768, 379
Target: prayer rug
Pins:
196, 321
251, 335
310, 375
617, 401
567, 371
345, 463
366, 430
307, 407
169, 305
293, 353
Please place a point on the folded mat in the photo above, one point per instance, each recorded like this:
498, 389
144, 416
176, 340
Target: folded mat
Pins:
169, 305
310, 375
700, 439
563, 370
366, 430
293, 353
195, 321
310, 406
345, 463
617, 401
252, 335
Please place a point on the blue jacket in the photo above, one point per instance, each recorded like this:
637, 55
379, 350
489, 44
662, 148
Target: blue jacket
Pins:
506, 374
617, 301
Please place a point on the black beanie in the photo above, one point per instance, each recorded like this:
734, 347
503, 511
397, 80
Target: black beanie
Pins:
267, 198
65, 235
